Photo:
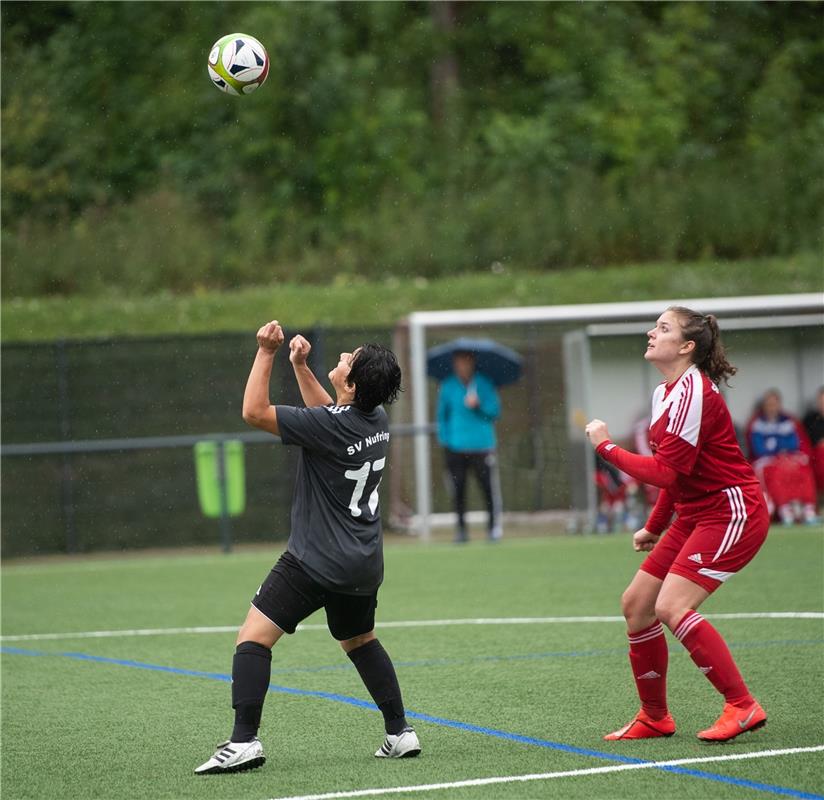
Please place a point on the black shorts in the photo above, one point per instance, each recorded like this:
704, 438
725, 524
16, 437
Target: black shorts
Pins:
288, 596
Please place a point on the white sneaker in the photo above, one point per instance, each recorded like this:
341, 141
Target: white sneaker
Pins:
404, 745
234, 757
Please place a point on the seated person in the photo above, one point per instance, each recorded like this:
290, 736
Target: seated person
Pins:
814, 427
780, 454
617, 499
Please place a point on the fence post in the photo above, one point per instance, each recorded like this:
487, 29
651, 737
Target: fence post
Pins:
535, 422
66, 473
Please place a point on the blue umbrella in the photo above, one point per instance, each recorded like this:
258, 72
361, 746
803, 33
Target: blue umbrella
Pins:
500, 364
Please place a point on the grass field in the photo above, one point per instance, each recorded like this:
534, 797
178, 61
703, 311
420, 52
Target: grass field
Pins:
383, 303
128, 713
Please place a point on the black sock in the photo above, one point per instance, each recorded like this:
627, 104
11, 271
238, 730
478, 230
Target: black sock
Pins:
378, 675
251, 668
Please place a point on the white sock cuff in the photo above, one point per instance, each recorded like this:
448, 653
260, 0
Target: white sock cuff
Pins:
691, 619
656, 629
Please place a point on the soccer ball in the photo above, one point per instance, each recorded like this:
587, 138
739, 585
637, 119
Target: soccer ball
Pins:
238, 63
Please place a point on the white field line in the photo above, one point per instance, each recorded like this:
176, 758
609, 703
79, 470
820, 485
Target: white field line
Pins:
544, 776
414, 623
423, 623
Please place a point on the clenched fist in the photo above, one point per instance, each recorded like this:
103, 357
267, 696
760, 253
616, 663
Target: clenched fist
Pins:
299, 349
270, 336
643, 540
596, 431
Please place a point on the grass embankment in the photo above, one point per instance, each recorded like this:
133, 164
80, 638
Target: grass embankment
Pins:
346, 302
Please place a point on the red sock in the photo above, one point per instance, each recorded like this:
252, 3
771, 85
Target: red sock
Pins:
712, 656
648, 657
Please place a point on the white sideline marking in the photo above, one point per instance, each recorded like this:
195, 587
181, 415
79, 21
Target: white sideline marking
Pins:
543, 776
413, 623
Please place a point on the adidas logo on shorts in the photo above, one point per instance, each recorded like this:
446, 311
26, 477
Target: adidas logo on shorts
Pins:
696, 557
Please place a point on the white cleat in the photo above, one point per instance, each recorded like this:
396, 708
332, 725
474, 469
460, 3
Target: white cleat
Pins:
234, 757
404, 745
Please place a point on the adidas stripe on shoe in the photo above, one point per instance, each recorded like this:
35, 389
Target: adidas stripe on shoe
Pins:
404, 745
234, 757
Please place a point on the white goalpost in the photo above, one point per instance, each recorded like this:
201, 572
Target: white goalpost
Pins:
580, 324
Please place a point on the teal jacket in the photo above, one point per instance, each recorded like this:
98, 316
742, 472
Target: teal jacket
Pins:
464, 429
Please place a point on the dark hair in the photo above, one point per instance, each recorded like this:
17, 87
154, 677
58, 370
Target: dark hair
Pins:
376, 376
709, 354
763, 399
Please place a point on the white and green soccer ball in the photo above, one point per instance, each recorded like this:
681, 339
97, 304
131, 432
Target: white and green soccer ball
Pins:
238, 63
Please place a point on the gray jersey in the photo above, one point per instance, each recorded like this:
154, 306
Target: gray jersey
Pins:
336, 525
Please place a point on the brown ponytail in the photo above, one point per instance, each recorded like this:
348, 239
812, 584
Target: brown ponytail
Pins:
709, 354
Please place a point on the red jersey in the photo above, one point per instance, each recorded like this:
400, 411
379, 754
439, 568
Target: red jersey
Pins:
722, 518
691, 431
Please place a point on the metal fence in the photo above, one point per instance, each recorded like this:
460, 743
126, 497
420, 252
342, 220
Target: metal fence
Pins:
98, 436
98, 439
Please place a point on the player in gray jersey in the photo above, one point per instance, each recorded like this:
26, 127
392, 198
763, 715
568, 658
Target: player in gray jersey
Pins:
334, 557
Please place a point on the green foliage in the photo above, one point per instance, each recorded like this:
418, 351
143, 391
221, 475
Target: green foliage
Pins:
568, 133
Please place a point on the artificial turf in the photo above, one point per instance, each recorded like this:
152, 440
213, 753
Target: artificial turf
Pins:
130, 716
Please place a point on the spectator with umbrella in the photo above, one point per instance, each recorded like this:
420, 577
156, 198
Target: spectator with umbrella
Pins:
468, 405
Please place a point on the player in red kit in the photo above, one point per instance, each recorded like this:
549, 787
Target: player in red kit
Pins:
721, 522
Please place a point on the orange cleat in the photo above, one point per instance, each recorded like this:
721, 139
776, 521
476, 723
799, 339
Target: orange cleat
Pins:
733, 722
644, 727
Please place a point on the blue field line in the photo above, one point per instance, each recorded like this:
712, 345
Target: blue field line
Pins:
435, 662
442, 721
521, 739
612, 651
122, 662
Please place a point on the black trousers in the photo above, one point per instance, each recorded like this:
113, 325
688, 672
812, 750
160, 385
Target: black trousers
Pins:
483, 465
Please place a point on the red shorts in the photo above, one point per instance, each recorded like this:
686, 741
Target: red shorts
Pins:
710, 546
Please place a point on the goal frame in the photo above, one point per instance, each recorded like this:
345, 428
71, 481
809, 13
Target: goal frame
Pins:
751, 312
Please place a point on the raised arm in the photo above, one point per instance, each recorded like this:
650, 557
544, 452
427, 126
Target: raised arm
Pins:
647, 469
311, 391
257, 410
